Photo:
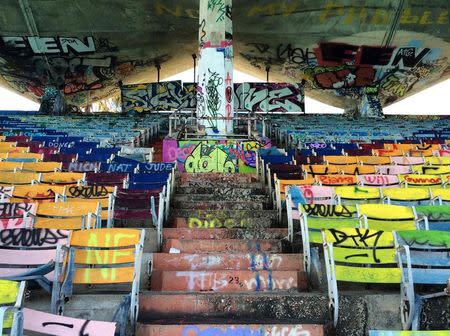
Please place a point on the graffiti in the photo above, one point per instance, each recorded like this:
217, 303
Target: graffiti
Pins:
238, 154
220, 281
94, 191
272, 97
209, 158
431, 238
342, 77
213, 101
212, 222
36, 45
423, 180
83, 166
337, 179
219, 6
327, 210
156, 167
164, 96
9, 210
31, 237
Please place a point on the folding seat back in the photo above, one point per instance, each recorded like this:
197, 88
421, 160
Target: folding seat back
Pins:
106, 179
358, 152
81, 166
328, 152
407, 196
144, 181
400, 146
346, 146
156, 167
41, 167
357, 194
62, 178
16, 215
438, 161
416, 180
386, 217
337, 180
378, 180
341, 159
364, 256
11, 297
393, 170
33, 255
36, 193
442, 195
355, 169
320, 169
374, 160
68, 215
388, 152
60, 157
407, 160
424, 254
18, 178
431, 170
93, 194
10, 166
118, 167
24, 157
106, 258
438, 216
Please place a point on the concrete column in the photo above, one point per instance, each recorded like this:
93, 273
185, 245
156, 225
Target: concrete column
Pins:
215, 67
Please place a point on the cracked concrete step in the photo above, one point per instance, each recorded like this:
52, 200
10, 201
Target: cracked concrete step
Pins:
186, 178
220, 205
186, 213
228, 281
226, 261
212, 197
225, 191
223, 245
235, 233
213, 222
263, 329
304, 307
197, 187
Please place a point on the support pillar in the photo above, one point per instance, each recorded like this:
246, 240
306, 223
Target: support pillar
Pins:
370, 106
215, 67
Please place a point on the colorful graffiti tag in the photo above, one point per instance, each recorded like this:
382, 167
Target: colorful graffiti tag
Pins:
228, 156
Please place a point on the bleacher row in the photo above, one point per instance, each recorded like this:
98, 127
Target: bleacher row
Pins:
69, 229
367, 212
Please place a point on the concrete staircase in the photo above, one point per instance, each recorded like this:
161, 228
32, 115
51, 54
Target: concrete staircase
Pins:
223, 268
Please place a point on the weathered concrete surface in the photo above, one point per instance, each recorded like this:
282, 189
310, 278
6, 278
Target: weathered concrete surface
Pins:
235, 233
227, 261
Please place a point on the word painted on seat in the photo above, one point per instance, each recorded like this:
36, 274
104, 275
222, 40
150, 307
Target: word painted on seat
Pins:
32, 237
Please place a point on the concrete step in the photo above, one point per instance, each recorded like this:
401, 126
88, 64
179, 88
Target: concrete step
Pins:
225, 214
187, 178
226, 261
223, 245
236, 233
221, 197
228, 281
221, 205
225, 191
304, 307
215, 188
230, 329
212, 222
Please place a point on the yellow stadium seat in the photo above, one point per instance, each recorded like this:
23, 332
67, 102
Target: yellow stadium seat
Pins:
63, 178
42, 167
387, 217
374, 160
18, 178
340, 159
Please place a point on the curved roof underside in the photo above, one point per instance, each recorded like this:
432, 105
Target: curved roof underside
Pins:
396, 48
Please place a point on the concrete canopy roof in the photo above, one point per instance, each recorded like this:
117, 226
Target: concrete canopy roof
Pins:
394, 47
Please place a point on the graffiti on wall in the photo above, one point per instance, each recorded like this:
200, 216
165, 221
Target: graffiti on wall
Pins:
227, 156
269, 97
354, 70
163, 96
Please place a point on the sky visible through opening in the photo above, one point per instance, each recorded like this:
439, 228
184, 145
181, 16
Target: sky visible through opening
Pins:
433, 100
